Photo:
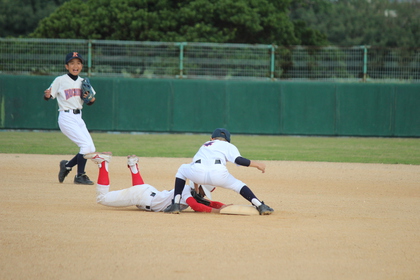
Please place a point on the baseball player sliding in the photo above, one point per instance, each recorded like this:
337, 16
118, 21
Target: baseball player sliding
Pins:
209, 168
67, 89
145, 196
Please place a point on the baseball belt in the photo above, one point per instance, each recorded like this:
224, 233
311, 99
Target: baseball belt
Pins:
217, 161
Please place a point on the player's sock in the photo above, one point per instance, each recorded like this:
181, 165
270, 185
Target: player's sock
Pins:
136, 178
81, 164
250, 196
256, 202
72, 162
179, 187
134, 169
103, 177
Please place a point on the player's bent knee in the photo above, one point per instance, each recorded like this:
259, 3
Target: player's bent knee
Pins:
180, 176
87, 150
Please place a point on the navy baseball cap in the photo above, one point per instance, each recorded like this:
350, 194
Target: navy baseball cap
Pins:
72, 55
221, 132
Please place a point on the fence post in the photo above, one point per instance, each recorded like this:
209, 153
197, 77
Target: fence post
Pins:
272, 61
181, 59
89, 57
364, 63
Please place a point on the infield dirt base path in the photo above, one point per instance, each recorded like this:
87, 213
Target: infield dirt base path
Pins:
331, 221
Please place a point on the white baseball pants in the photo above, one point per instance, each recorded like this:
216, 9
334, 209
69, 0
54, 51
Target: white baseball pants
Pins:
209, 174
73, 126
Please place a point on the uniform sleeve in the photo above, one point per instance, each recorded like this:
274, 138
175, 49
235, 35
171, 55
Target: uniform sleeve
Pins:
232, 152
55, 85
216, 204
242, 161
198, 207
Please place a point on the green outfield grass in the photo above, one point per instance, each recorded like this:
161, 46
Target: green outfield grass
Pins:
290, 148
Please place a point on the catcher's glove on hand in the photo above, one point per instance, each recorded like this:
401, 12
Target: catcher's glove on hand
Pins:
87, 92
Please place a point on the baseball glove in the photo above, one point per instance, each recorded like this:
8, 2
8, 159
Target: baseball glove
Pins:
87, 92
199, 198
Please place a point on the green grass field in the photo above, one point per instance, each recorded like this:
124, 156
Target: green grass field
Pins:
290, 148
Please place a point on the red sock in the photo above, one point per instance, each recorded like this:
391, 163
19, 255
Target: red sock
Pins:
103, 177
136, 177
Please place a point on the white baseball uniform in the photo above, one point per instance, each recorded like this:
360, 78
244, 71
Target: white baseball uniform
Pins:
209, 166
145, 197
70, 104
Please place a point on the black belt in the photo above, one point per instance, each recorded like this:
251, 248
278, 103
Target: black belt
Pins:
75, 111
148, 206
217, 161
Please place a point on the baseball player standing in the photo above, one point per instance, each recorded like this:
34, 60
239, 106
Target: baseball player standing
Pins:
67, 90
145, 196
209, 168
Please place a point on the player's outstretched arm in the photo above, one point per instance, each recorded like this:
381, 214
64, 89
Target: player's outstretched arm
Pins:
258, 165
252, 163
198, 207
217, 210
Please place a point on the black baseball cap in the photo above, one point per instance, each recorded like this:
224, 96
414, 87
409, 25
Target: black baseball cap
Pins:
72, 55
221, 132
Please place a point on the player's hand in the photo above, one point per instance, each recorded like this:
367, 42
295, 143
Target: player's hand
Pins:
92, 100
47, 94
259, 165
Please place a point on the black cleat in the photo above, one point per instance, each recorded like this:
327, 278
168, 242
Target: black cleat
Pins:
264, 209
174, 208
82, 180
64, 171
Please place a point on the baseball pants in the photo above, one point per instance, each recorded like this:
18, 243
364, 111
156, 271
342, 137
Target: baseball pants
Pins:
209, 174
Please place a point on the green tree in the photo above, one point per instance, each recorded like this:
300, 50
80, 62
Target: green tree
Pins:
221, 21
20, 17
360, 22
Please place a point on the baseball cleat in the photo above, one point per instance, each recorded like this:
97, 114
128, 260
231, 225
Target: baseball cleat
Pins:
64, 171
132, 160
99, 157
264, 209
174, 208
82, 180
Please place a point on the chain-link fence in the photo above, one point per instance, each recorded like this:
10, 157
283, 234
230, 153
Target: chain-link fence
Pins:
211, 61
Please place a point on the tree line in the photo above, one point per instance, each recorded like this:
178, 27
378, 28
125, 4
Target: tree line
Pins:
381, 23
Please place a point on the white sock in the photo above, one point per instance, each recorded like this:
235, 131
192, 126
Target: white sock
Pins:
256, 202
134, 169
177, 198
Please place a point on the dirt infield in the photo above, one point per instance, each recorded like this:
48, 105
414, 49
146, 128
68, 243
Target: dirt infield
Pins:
331, 221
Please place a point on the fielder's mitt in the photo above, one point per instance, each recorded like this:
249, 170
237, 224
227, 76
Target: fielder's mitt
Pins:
199, 198
87, 92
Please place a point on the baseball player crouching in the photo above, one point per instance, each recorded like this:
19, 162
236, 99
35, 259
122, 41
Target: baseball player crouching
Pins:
145, 196
209, 168
67, 89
